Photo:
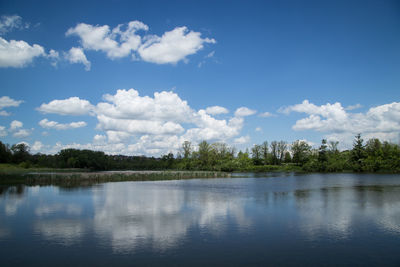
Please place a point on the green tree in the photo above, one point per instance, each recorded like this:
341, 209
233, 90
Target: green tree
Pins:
333, 147
204, 154
358, 153
288, 157
282, 145
374, 155
323, 155
168, 160
256, 154
264, 152
300, 152
187, 149
244, 161
5, 153
274, 153
20, 152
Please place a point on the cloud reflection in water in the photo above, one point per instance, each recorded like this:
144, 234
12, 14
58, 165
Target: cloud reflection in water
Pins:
158, 215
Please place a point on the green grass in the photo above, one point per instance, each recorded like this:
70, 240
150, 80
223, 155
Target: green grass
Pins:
274, 168
14, 175
6, 168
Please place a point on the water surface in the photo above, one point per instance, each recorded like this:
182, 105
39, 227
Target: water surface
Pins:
283, 219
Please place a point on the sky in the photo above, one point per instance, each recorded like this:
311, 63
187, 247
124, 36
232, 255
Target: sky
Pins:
142, 77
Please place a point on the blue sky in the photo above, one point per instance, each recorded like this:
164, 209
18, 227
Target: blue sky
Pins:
321, 69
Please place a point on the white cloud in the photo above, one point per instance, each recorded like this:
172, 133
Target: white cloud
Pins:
3, 131
215, 110
210, 55
150, 125
352, 107
124, 40
18, 132
70, 106
266, 114
54, 57
258, 129
9, 23
243, 112
101, 38
173, 46
14, 125
213, 129
37, 146
138, 126
53, 54
18, 54
99, 139
6, 102
76, 55
382, 121
128, 104
45, 123
242, 140
22, 133
115, 137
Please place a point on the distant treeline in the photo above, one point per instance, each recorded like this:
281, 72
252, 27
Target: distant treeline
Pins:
372, 156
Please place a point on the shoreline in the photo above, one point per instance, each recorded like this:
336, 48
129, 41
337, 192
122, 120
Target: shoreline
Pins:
104, 176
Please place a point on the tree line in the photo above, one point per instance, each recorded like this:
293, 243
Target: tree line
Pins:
371, 156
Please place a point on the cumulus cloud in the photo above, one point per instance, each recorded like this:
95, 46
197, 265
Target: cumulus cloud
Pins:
243, 112
54, 57
215, 110
352, 107
151, 125
116, 43
99, 139
9, 23
37, 146
18, 54
22, 133
242, 140
128, 104
6, 102
3, 131
69, 106
45, 123
133, 126
173, 46
14, 125
266, 114
115, 137
209, 128
124, 40
333, 119
17, 130
76, 55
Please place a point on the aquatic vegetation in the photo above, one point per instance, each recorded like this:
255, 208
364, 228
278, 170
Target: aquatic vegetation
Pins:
108, 176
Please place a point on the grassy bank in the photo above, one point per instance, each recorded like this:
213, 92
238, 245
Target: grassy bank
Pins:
10, 169
272, 168
15, 175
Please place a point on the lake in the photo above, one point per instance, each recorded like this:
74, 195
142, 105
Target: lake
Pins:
261, 220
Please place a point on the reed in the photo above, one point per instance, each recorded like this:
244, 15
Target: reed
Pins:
100, 177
